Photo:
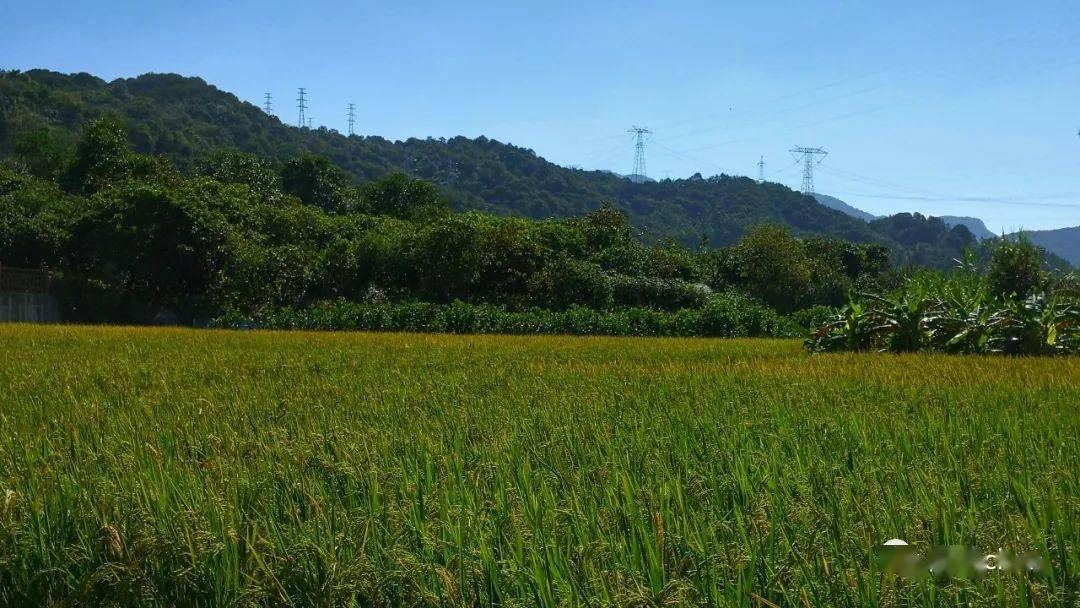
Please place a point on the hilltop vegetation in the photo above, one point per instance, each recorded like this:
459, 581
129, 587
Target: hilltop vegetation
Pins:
186, 119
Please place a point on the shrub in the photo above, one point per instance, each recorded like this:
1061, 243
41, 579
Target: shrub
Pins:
813, 317
667, 294
724, 315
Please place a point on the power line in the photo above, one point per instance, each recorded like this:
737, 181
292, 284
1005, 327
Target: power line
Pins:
807, 155
301, 105
851, 175
685, 156
757, 118
1027, 202
640, 135
268, 104
786, 169
608, 154
352, 117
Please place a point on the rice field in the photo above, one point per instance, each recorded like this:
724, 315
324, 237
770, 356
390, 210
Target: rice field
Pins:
175, 467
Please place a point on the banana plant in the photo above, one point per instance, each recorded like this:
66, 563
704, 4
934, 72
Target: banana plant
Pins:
1038, 325
956, 314
852, 329
962, 321
902, 320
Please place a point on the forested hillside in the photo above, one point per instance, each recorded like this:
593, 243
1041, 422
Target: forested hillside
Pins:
132, 238
186, 119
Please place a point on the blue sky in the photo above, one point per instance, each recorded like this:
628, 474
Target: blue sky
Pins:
962, 108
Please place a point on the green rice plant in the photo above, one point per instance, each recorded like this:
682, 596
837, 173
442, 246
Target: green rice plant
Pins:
173, 467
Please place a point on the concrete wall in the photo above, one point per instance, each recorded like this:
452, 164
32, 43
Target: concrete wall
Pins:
19, 307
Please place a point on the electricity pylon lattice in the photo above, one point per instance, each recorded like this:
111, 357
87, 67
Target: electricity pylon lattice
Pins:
352, 117
807, 156
301, 105
268, 104
641, 134
761, 170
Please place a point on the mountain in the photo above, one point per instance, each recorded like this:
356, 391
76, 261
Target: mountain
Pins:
1064, 242
974, 224
834, 203
186, 119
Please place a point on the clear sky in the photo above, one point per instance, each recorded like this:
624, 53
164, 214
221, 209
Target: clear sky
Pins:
960, 107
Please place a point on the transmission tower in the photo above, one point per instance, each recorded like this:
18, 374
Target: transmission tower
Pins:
761, 170
451, 172
807, 155
301, 105
268, 105
408, 160
641, 134
352, 117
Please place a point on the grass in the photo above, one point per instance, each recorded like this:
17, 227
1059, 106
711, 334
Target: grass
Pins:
184, 467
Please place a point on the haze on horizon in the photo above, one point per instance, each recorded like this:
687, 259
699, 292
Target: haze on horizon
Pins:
963, 109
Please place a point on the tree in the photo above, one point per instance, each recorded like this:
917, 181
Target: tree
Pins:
234, 167
773, 266
317, 182
34, 218
42, 152
398, 196
1015, 268
103, 158
152, 249
606, 227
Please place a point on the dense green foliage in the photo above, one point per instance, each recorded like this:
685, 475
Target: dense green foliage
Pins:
721, 315
132, 239
1011, 307
170, 467
924, 240
186, 119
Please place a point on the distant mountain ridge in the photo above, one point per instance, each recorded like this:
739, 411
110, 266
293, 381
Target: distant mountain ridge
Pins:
1064, 242
974, 224
834, 203
186, 119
